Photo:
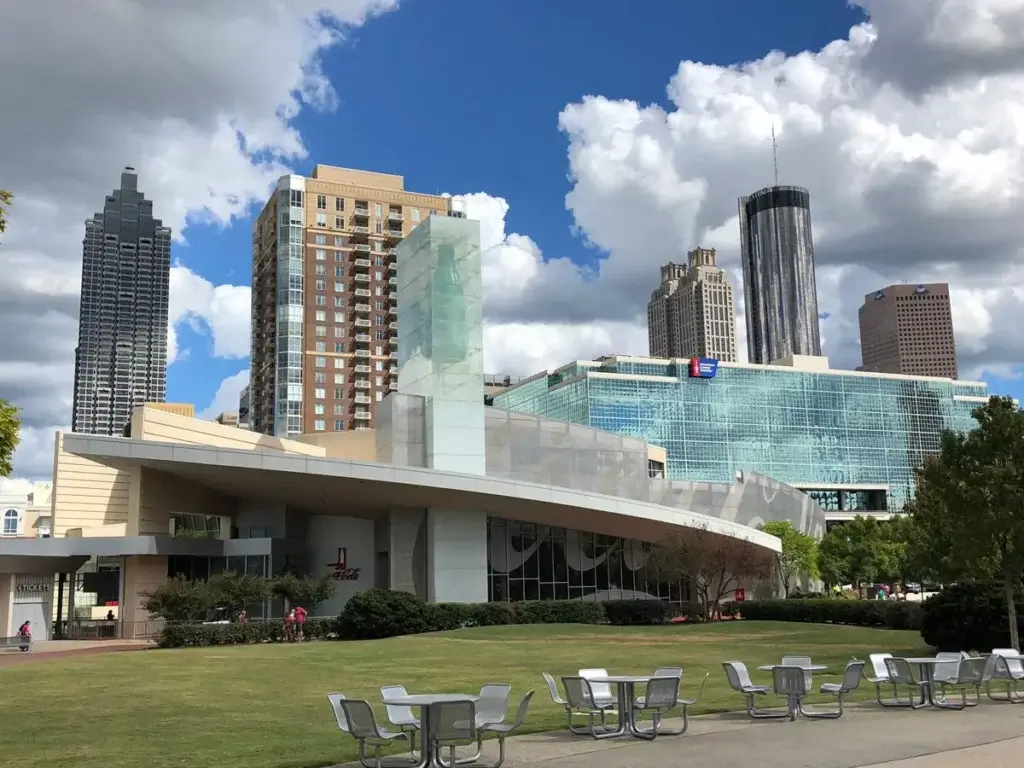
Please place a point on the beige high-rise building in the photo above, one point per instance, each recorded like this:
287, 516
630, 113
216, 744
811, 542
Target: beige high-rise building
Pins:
693, 312
324, 314
908, 329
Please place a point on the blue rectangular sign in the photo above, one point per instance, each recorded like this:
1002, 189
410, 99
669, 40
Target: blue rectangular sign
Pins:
703, 368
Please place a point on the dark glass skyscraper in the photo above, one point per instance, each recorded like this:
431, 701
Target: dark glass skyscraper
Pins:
778, 274
121, 358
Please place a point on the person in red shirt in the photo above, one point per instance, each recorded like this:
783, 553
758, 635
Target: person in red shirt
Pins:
300, 619
289, 626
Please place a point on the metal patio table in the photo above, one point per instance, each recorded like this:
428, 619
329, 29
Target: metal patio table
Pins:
626, 688
793, 708
926, 674
422, 701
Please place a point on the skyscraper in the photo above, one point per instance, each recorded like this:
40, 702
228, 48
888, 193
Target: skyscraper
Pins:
324, 298
121, 358
778, 274
908, 329
693, 312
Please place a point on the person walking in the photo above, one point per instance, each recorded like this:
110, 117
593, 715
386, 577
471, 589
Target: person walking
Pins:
289, 626
25, 636
300, 620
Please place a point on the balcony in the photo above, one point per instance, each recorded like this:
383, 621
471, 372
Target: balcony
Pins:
362, 307
393, 354
393, 386
362, 383
361, 247
362, 293
391, 252
362, 415
362, 368
391, 281
364, 353
393, 341
361, 213
360, 230
362, 338
395, 233
392, 326
392, 310
395, 216
392, 296
363, 399
361, 323
393, 370
362, 263
392, 266
362, 278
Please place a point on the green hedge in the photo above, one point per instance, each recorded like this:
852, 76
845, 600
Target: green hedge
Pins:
379, 613
970, 616
891, 614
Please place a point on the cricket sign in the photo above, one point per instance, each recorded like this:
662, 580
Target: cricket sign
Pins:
340, 570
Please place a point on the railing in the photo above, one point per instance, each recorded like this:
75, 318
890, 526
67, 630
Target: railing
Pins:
106, 629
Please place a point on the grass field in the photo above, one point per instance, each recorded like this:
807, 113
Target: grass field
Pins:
265, 706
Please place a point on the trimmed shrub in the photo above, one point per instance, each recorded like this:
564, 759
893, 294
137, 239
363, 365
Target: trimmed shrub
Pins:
378, 613
891, 614
970, 616
441, 617
185, 634
558, 612
631, 613
493, 614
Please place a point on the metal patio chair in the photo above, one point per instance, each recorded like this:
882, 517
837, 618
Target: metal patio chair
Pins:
801, 661
661, 696
880, 676
739, 680
570, 713
790, 682
502, 730
679, 703
492, 705
662, 672
581, 700
970, 676
603, 692
852, 676
355, 717
901, 673
401, 716
452, 724
1006, 670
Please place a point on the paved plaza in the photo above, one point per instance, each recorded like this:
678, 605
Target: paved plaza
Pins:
865, 737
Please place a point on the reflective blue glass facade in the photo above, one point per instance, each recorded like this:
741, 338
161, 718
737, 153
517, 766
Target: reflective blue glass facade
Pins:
806, 428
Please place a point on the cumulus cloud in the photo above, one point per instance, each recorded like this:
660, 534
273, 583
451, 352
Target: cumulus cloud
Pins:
225, 400
180, 102
913, 177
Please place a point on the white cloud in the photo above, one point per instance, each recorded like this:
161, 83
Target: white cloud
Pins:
915, 175
200, 97
225, 400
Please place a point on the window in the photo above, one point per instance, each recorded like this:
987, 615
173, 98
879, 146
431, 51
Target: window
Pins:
381, 335
11, 522
319, 393
339, 317
339, 362
319, 409
339, 241
378, 290
339, 425
380, 349
320, 362
339, 378
415, 214
339, 394
379, 306
321, 300
321, 330
321, 202
320, 425
339, 222
321, 285
339, 203
321, 346
380, 396
339, 347
339, 301
378, 246
378, 261
379, 381
380, 227
339, 271
321, 316
378, 319
339, 287
321, 219
339, 331
321, 240
321, 254
321, 269
321, 377
380, 365
378, 275
376, 210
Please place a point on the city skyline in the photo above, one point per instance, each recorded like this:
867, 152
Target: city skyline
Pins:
121, 356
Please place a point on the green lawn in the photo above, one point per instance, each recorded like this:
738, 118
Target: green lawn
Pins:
265, 706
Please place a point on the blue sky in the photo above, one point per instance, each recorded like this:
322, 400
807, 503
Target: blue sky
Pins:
463, 96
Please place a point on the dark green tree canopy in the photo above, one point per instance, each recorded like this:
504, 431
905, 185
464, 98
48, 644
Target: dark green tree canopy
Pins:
10, 436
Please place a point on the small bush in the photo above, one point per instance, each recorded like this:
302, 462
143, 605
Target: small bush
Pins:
186, 634
631, 613
493, 614
441, 617
970, 616
558, 612
378, 613
861, 613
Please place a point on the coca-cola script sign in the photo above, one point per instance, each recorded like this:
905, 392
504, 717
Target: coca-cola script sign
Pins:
340, 570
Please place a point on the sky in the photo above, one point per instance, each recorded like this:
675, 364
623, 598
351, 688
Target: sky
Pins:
593, 140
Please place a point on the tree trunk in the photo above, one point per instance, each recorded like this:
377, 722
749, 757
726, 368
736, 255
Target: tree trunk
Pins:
1011, 608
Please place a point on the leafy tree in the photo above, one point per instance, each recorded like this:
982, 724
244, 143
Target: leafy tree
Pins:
799, 556
179, 599
714, 565
865, 550
307, 591
237, 591
969, 507
10, 436
5, 201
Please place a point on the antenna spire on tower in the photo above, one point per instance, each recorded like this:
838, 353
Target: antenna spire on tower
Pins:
775, 156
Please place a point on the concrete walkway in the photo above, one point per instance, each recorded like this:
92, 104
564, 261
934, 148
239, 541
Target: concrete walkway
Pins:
48, 650
865, 737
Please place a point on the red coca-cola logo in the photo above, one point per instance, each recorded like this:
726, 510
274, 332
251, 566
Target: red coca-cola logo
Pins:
340, 570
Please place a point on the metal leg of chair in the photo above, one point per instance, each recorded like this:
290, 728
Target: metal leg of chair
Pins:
757, 714
827, 715
501, 753
942, 699
647, 733
674, 731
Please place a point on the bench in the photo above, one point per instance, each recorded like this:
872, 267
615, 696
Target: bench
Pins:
13, 643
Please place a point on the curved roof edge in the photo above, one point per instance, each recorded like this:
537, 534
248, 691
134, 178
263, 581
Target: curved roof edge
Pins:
124, 450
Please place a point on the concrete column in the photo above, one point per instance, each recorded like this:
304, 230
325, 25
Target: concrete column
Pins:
456, 556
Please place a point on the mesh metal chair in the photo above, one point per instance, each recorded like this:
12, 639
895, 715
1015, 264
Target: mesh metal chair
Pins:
791, 683
603, 692
851, 681
678, 703
570, 713
581, 701
401, 716
948, 668
661, 696
739, 680
355, 717
970, 676
661, 672
880, 676
502, 730
901, 673
1006, 669
452, 724
492, 705
800, 661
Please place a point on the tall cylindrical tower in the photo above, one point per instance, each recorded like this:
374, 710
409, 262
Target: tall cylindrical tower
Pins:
778, 274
